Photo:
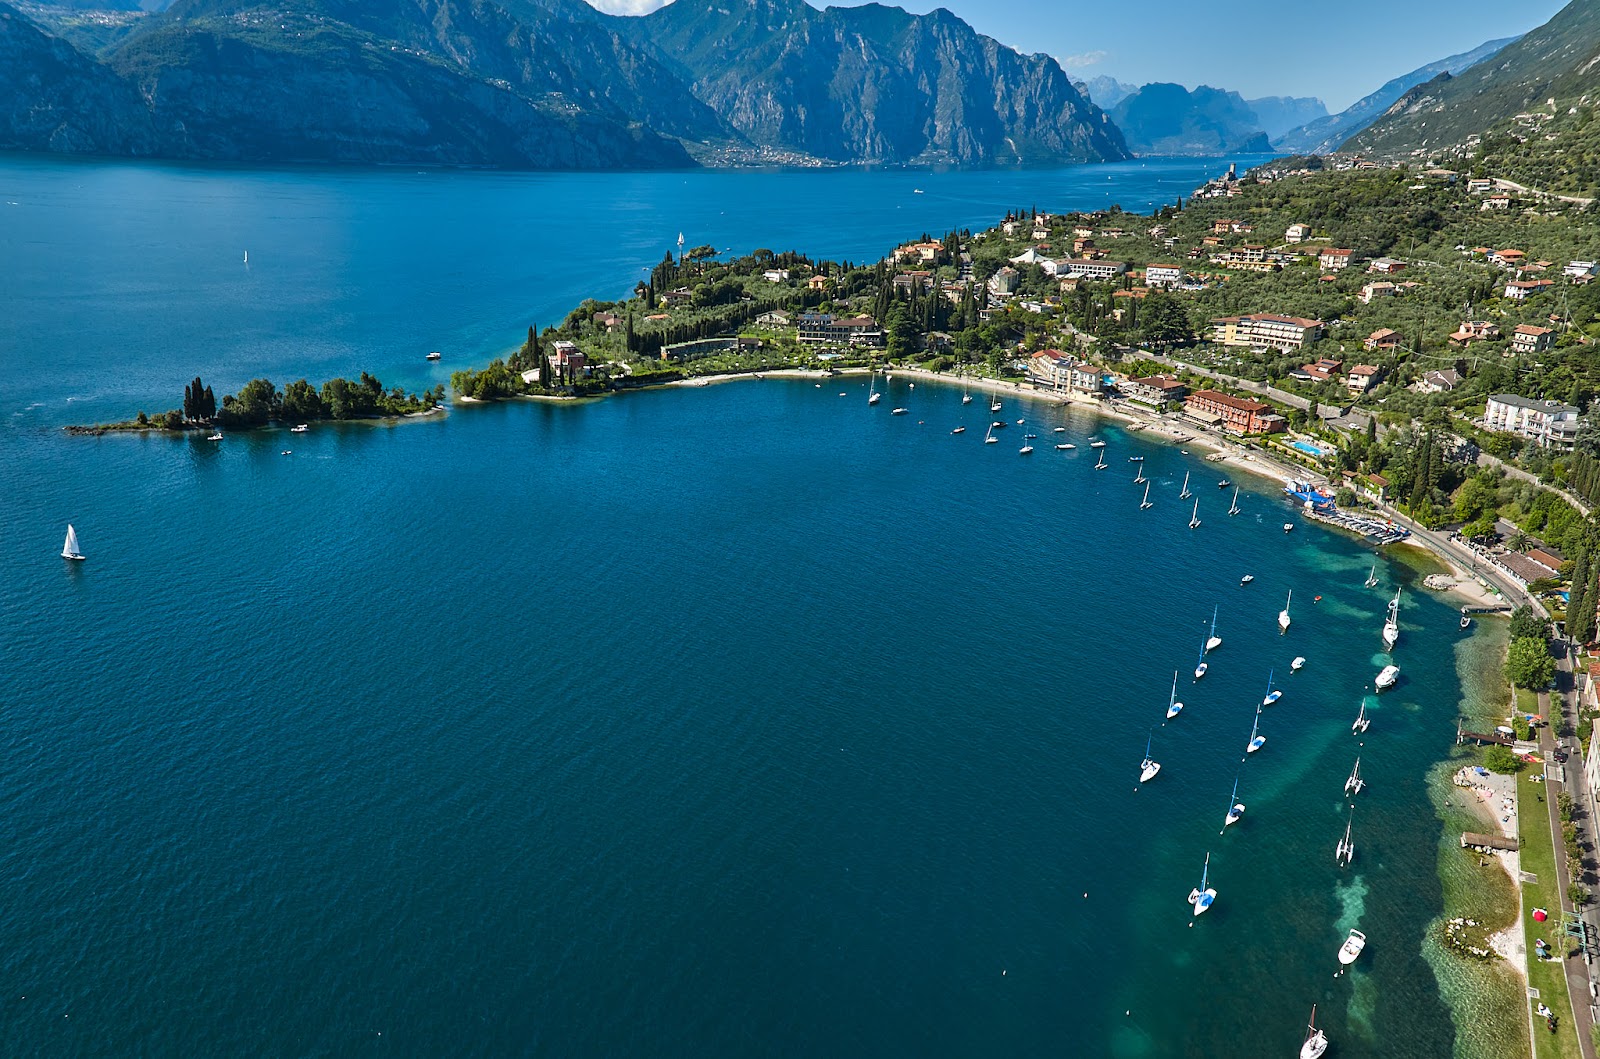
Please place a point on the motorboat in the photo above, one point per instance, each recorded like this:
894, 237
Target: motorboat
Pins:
1283, 615
1174, 707
1386, 677
435, 355
1202, 896
1273, 694
215, 437
70, 549
1466, 619
1224, 483
1355, 784
1246, 579
1065, 447
1059, 430
1351, 949
1298, 664
1316, 1043
1135, 459
959, 430
1149, 766
1097, 444
897, 411
1288, 527
999, 424
299, 429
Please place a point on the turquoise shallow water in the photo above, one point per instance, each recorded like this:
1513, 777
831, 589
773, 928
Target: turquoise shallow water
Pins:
727, 720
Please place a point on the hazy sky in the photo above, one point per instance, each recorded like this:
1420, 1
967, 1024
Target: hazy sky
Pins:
1338, 51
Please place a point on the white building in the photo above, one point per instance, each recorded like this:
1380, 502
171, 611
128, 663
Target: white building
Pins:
1163, 275
1551, 424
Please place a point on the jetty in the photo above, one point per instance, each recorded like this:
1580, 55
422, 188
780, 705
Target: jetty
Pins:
1377, 530
1488, 843
1462, 736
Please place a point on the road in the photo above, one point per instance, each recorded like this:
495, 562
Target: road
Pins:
1511, 185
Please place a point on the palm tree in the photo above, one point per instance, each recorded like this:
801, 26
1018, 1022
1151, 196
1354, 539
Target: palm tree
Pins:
1519, 541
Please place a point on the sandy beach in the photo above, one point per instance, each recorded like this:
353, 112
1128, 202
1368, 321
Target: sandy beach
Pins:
1493, 798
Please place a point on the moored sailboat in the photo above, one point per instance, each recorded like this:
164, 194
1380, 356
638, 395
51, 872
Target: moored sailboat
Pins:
1235, 807
873, 396
1140, 479
1185, 494
1202, 896
1213, 641
1283, 615
1355, 784
1257, 740
1201, 666
1194, 519
1316, 1042
1372, 577
1149, 766
1233, 508
1273, 694
1345, 852
989, 438
1298, 664
1101, 464
1174, 707
1391, 624
1145, 504
1363, 722
70, 549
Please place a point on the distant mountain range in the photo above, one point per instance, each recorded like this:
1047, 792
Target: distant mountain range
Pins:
539, 84
1558, 61
1168, 119
1330, 133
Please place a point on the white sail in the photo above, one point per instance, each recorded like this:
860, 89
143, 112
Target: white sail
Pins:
70, 549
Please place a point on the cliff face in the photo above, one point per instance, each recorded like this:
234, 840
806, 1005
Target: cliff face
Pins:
1168, 119
876, 84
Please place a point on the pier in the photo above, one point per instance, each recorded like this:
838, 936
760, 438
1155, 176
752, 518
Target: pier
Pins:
1481, 738
1488, 843
1379, 531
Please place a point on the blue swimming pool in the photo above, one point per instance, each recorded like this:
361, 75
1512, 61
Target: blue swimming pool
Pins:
1308, 448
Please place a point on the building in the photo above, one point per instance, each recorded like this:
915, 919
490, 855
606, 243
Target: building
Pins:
1438, 381
818, 283
1479, 187
1383, 338
776, 275
1335, 260
1004, 282
1475, 331
1061, 371
1297, 233
1508, 258
1530, 339
1551, 424
1321, 371
825, 329
1163, 275
1522, 289
925, 252
709, 347
1266, 331
1089, 269
1387, 266
774, 318
1382, 289
567, 361
1581, 269
1238, 415
1363, 377
914, 281
1154, 390
1496, 202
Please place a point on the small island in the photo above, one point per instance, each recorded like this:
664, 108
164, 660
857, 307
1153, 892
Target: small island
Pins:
259, 403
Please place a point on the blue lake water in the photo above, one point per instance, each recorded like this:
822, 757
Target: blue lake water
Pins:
727, 720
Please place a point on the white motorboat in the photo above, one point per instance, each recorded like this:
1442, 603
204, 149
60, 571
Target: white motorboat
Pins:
1466, 620
1149, 766
1194, 519
1145, 504
1185, 494
299, 428
1391, 624
435, 355
1298, 664
1096, 444
1202, 896
1283, 615
1363, 722
1372, 577
1288, 527
1213, 641
70, 549
1174, 707
1351, 949
898, 411
1135, 459
1066, 447
959, 430
215, 437
1386, 677
1257, 740
1345, 851
1273, 694
1235, 807
1355, 784
1246, 579
1059, 430
1316, 1043
1233, 508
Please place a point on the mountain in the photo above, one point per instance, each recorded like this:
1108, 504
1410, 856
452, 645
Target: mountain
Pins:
1560, 60
1168, 119
1105, 92
875, 84
1276, 115
1326, 134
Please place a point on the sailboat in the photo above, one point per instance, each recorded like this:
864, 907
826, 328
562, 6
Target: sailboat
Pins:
1185, 494
247, 257
1273, 694
1233, 509
1174, 707
1027, 447
1257, 740
1194, 520
1355, 784
1283, 615
1391, 624
989, 438
1316, 1041
1235, 807
873, 396
1201, 666
1202, 896
1363, 722
994, 406
966, 398
1140, 479
1346, 850
959, 430
1372, 578
1101, 465
1145, 504
1148, 767
1213, 641
70, 549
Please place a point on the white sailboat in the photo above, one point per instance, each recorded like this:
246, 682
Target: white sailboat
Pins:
1202, 896
1350, 951
70, 549
1233, 508
1140, 479
1346, 850
1372, 578
247, 257
1316, 1041
1273, 694
1235, 807
1201, 666
1213, 641
1257, 740
1148, 767
1355, 784
1363, 722
1174, 707
989, 438
1283, 615
1027, 448
1101, 465
1391, 624
873, 396
1145, 504
966, 397
994, 406
1386, 678
1185, 494
1194, 519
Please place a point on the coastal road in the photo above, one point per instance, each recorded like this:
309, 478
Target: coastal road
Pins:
1564, 700
1577, 967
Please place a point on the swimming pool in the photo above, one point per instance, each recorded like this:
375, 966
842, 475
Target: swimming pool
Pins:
1308, 448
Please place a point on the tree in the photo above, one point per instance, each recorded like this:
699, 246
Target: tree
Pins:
301, 402
1529, 665
1501, 760
900, 332
1527, 624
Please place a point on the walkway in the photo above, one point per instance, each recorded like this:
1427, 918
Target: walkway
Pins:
1564, 703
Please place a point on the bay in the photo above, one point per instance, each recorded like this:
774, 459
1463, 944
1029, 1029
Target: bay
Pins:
727, 720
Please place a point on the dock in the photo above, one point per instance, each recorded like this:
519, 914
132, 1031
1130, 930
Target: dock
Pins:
1488, 843
1483, 737
1377, 530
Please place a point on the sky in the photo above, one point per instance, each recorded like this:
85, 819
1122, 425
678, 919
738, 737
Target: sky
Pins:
1336, 51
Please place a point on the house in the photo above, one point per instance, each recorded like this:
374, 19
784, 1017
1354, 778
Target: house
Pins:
1496, 202
609, 321
1264, 330
1549, 423
1088, 269
914, 281
1523, 289
1297, 233
1163, 275
1479, 187
1222, 227
1581, 269
567, 361
1363, 377
925, 252
1004, 282
1530, 339
1382, 289
1335, 260
1383, 338
1475, 331
709, 347
1154, 390
821, 329
1079, 246
681, 296
1321, 371
1237, 415
1386, 266
817, 283
776, 275
774, 318
1508, 258
1438, 381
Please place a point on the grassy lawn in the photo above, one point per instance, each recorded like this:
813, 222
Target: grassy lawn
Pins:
1539, 857
1527, 701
